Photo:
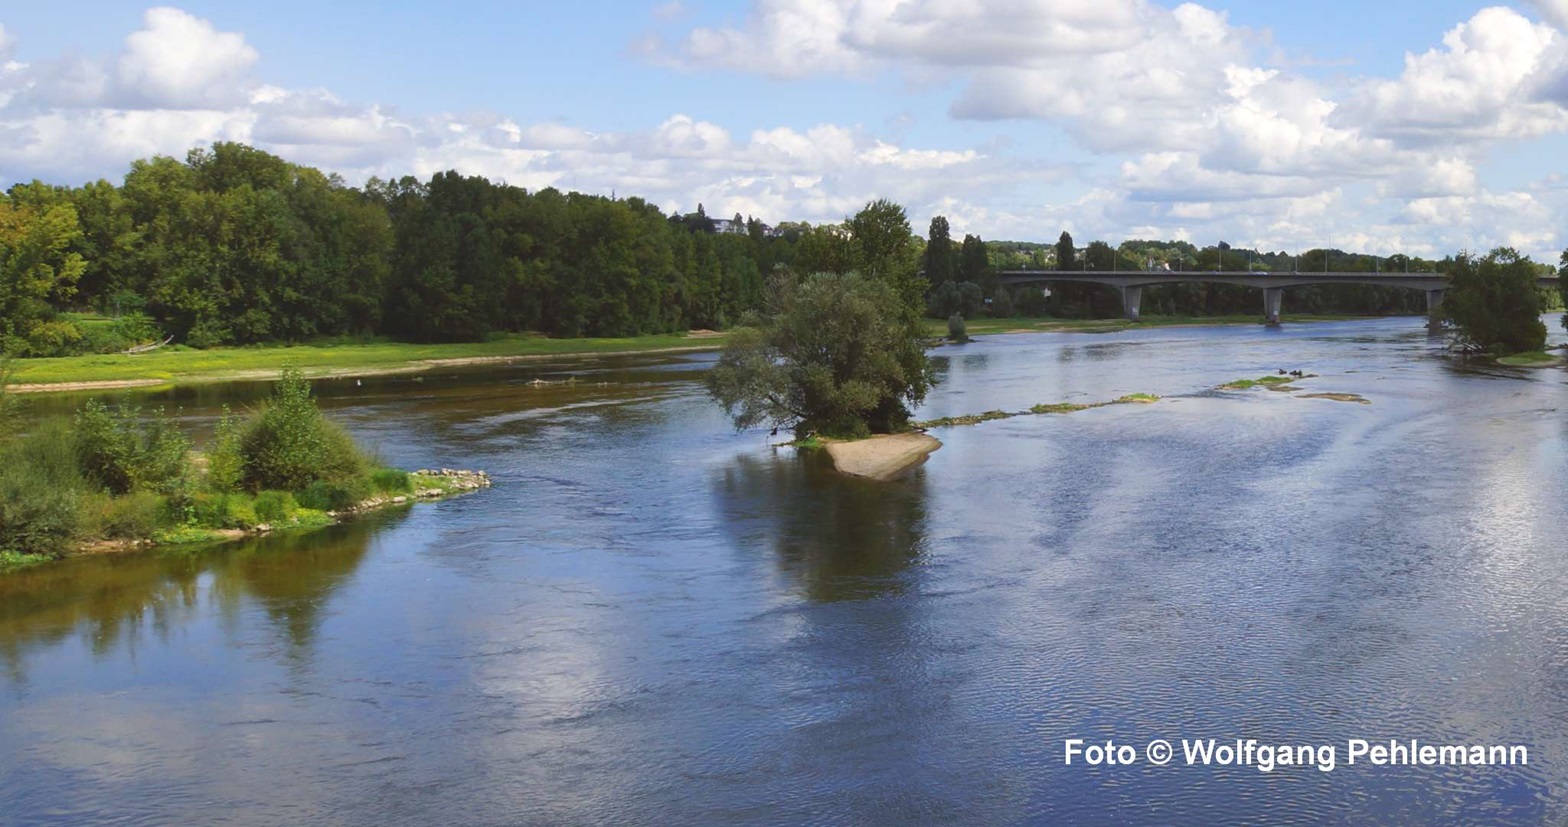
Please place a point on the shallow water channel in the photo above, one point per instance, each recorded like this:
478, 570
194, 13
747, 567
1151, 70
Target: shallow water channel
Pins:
652, 619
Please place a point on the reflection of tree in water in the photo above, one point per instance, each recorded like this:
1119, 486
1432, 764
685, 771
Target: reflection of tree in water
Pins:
841, 537
293, 577
114, 602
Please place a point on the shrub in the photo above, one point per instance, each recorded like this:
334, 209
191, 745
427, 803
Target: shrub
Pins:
956, 329
40, 492
333, 495
225, 459
291, 445
54, 338
391, 481
118, 450
210, 510
10, 405
135, 516
275, 506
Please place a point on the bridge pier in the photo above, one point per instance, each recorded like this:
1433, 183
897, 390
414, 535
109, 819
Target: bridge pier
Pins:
1132, 297
1434, 309
1273, 297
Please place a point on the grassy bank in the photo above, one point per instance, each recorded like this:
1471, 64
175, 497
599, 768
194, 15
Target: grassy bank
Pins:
111, 479
182, 365
178, 365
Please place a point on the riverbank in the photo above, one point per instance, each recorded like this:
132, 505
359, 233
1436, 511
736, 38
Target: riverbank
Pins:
423, 486
185, 366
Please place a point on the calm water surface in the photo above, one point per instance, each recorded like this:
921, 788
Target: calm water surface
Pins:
651, 619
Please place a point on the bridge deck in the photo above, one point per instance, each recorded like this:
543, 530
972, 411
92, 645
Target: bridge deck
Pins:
1132, 282
1297, 278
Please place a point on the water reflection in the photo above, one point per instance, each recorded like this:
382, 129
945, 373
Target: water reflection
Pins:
838, 538
116, 604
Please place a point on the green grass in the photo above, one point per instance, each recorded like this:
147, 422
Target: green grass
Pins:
1052, 408
970, 419
12, 560
1058, 408
1532, 359
1262, 381
181, 364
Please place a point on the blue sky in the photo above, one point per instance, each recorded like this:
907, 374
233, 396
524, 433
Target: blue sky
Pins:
1425, 127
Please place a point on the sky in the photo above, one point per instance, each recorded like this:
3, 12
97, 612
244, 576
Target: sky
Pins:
1417, 127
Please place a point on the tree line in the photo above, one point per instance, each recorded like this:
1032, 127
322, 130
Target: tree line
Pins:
235, 246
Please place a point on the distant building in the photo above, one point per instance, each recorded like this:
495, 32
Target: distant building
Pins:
728, 225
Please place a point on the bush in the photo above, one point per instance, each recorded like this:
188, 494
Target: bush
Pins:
225, 458
54, 338
135, 516
333, 495
956, 329
391, 481
222, 511
290, 445
118, 450
275, 506
41, 492
10, 405
1002, 304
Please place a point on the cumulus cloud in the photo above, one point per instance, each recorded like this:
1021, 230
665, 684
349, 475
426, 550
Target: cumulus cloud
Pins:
180, 82
1489, 80
180, 61
1194, 128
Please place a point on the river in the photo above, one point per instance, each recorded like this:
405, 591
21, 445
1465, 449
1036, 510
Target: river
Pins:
651, 619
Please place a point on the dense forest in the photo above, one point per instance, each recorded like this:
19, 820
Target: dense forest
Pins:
235, 246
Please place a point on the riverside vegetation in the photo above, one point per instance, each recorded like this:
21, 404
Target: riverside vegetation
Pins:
234, 247
119, 476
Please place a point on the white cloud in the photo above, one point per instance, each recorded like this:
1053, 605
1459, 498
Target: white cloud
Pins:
1486, 82
178, 60
1555, 12
1193, 130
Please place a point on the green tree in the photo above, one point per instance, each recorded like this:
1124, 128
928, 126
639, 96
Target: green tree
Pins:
884, 249
1562, 284
1066, 254
1493, 304
36, 263
975, 266
939, 253
833, 355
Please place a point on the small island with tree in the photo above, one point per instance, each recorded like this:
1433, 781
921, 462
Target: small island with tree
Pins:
837, 357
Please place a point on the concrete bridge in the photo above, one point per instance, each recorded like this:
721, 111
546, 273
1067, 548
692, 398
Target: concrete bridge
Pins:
1131, 283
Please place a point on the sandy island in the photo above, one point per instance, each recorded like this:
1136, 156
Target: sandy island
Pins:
881, 457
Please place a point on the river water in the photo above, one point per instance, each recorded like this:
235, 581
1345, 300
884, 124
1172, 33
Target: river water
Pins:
651, 619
